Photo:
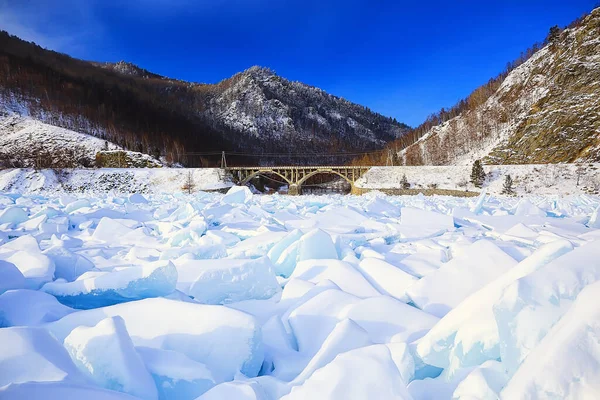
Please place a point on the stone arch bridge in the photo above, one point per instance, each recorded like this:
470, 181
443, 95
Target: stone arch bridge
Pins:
295, 176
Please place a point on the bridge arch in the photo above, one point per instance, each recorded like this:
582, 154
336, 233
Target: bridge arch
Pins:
324, 171
264, 172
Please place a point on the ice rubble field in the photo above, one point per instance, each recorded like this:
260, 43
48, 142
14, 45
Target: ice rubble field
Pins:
264, 297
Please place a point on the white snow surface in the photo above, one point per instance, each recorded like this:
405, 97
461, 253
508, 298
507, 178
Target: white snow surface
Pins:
21, 133
111, 180
160, 295
528, 179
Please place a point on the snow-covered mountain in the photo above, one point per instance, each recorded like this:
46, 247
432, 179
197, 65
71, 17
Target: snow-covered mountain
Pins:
28, 141
127, 68
546, 110
260, 104
254, 111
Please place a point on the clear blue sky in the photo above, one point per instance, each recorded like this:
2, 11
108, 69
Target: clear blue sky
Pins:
404, 59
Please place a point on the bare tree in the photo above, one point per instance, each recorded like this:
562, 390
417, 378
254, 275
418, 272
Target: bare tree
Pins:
579, 172
594, 184
189, 186
551, 175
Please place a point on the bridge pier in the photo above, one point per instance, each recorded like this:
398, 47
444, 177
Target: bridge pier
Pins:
294, 190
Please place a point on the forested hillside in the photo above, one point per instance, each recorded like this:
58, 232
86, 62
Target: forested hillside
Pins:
543, 108
254, 112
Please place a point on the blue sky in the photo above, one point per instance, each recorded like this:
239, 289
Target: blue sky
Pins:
404, 59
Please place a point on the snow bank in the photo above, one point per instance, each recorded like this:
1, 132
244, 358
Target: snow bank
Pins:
227, 281
388, 320
68, 265
99, 289
417, 223
541, 179
235, 390
225, 340
237, 195
26, 255
59, 391
387, 278
33, 355
365, 373
295, 247
111, 180
484, 383
481, 263
316, 244
532, 304
176, 376
344, 275
346, 336
106, 354
468, 334
566, 363
306, 296
30, 308
10, 277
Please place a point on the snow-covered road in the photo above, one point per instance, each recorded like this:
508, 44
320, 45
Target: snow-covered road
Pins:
238, 296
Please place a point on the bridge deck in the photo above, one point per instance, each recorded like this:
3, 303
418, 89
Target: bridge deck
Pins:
296, 175
298, 167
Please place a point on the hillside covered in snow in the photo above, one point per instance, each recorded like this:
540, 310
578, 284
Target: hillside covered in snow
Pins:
103, 181
255, 111
29, 142
527, 180
546, 110
530, 179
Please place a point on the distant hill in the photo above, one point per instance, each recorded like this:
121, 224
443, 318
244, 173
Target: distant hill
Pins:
544, 108
255, 112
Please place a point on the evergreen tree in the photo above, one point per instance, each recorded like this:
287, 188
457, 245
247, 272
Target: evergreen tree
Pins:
477, 174
553, 37
404, 182
508, 186
554, 34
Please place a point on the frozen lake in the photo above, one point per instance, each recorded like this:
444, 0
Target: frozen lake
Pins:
238, 296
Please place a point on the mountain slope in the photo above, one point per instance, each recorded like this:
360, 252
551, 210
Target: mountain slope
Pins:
259, 103
27, 142
253, 112
546, 110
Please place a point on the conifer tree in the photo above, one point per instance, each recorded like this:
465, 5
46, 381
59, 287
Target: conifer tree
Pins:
554, 34
404, 182
553, 37
508, 186
477, 174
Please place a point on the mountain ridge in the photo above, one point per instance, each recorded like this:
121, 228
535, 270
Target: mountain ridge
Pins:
254, 111
543, 109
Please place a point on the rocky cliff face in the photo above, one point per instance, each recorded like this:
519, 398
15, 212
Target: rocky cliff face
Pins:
547, 110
